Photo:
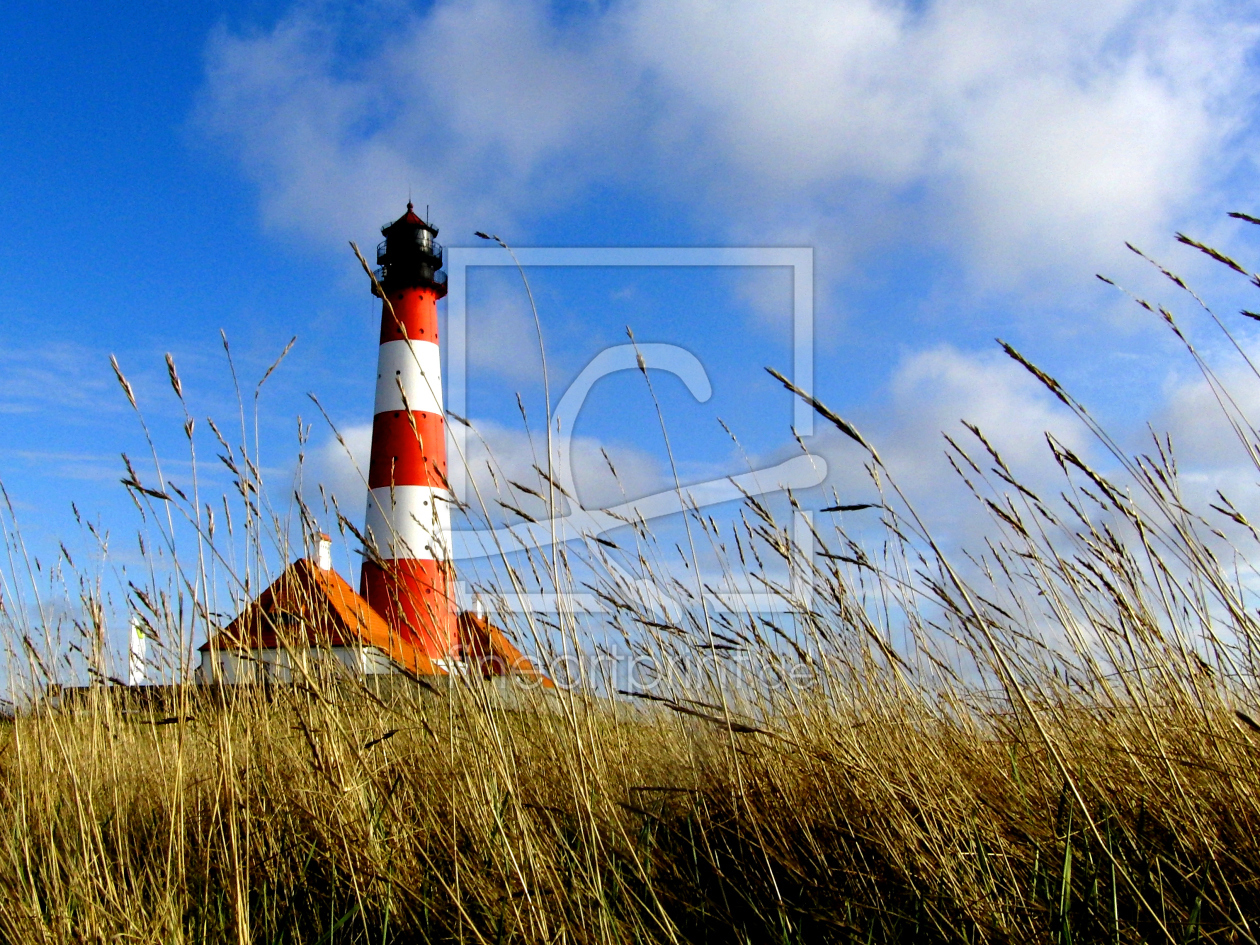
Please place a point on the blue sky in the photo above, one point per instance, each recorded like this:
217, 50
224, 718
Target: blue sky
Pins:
961, 169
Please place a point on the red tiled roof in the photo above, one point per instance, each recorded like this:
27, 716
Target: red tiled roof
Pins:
487, 646
309, 606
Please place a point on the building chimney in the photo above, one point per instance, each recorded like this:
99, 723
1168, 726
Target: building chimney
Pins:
137, 652
324, 552
407, 576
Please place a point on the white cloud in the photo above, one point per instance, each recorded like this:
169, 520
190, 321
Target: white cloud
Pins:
1032, 134
1197, 423
57, 376
469, 104
930, 393
802, 93
341, 467
1054, 166
502, 336
1041, 133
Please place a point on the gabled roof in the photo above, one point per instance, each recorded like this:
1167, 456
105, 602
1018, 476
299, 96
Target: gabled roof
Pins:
307, 606
488, 647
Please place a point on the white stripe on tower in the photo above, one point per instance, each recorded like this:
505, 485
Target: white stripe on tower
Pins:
410, 522
409, 377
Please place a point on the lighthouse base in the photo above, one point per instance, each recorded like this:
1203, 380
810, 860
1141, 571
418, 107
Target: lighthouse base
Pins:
416, 601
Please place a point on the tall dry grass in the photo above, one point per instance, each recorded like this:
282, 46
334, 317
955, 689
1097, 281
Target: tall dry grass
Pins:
1052, 740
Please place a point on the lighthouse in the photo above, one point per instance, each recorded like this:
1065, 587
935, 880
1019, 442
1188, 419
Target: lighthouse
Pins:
406, 574
404, 621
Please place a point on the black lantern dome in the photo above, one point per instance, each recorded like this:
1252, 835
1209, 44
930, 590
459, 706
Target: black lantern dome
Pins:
409, 255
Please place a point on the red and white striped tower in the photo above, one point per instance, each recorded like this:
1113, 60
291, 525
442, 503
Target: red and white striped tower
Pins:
408, 515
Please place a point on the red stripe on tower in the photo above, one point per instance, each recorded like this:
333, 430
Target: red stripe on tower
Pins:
408, 580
